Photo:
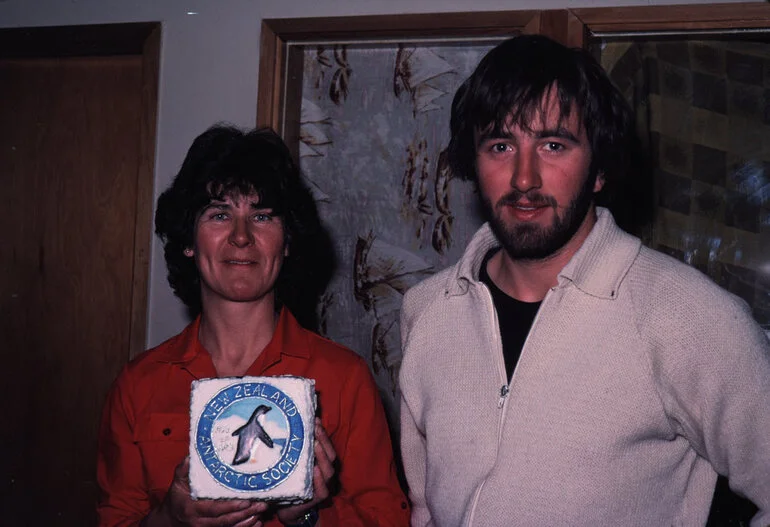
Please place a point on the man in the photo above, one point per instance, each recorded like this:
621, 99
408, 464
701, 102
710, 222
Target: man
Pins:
561, 373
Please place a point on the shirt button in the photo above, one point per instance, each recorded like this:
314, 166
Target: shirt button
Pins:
166, 431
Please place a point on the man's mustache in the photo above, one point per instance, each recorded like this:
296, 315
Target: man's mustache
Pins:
530, 199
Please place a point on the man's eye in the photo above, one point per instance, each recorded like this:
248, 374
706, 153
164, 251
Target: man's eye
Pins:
219, 216
499, 147
554, 147
263, 216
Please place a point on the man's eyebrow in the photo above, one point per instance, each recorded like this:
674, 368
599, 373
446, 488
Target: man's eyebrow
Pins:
561, 133
492, 135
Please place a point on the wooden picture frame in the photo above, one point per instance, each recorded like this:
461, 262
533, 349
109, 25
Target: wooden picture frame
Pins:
277, 34
672, 19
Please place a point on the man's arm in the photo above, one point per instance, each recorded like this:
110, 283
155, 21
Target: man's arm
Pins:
414, 457
413, 450
714, 374
736, 435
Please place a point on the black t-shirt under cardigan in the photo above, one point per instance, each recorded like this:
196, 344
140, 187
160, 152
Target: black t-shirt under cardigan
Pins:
514, 318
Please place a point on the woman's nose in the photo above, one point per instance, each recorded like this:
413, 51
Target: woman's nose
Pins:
241, 236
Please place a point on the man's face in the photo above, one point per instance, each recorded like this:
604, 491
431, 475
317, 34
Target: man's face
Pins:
535, 183
239, 250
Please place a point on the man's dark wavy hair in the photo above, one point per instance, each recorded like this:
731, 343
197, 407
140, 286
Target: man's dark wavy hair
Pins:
223, 161
509, 85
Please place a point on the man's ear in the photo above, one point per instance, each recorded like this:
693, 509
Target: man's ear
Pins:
599, 183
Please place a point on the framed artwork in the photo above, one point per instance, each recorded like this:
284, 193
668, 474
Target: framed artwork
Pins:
364, 103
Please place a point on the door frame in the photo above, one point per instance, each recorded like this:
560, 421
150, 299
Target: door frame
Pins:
137, 39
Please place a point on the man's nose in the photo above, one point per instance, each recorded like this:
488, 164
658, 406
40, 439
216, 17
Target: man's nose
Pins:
240, 235
526, 170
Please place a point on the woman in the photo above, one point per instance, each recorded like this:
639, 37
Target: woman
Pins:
237, 225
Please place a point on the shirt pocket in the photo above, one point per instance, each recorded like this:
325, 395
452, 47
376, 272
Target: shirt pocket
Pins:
164, 441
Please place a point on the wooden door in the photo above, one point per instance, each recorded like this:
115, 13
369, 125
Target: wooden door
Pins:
70, 160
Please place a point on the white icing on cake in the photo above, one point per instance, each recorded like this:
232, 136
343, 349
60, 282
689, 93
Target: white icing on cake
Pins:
252, 438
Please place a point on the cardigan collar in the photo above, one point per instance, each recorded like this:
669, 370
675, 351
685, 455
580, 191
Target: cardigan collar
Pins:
597, 268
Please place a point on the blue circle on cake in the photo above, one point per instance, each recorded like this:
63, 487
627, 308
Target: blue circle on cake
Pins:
250, 436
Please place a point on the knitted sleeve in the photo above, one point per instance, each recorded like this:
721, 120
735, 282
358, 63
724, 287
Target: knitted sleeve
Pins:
711, 361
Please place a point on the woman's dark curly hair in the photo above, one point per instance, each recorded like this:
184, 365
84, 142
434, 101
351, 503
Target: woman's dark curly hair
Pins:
223, 161
509, 85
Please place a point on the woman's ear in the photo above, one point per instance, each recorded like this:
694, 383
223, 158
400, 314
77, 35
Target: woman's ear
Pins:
599, 183
188, 252
286, 242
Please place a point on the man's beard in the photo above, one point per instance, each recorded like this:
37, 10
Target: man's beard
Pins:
531, 241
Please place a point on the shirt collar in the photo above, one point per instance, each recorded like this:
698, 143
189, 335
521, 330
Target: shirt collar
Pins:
469, 265
602, 262
184, 347
289, 338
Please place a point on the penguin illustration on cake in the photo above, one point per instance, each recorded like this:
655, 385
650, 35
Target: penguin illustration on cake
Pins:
249, 433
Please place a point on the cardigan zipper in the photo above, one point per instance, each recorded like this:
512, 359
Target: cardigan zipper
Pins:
505, 389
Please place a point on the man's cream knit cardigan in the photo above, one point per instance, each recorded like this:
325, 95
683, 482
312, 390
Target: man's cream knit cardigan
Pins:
639, 381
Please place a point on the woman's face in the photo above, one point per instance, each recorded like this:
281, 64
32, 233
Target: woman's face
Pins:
239, 250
